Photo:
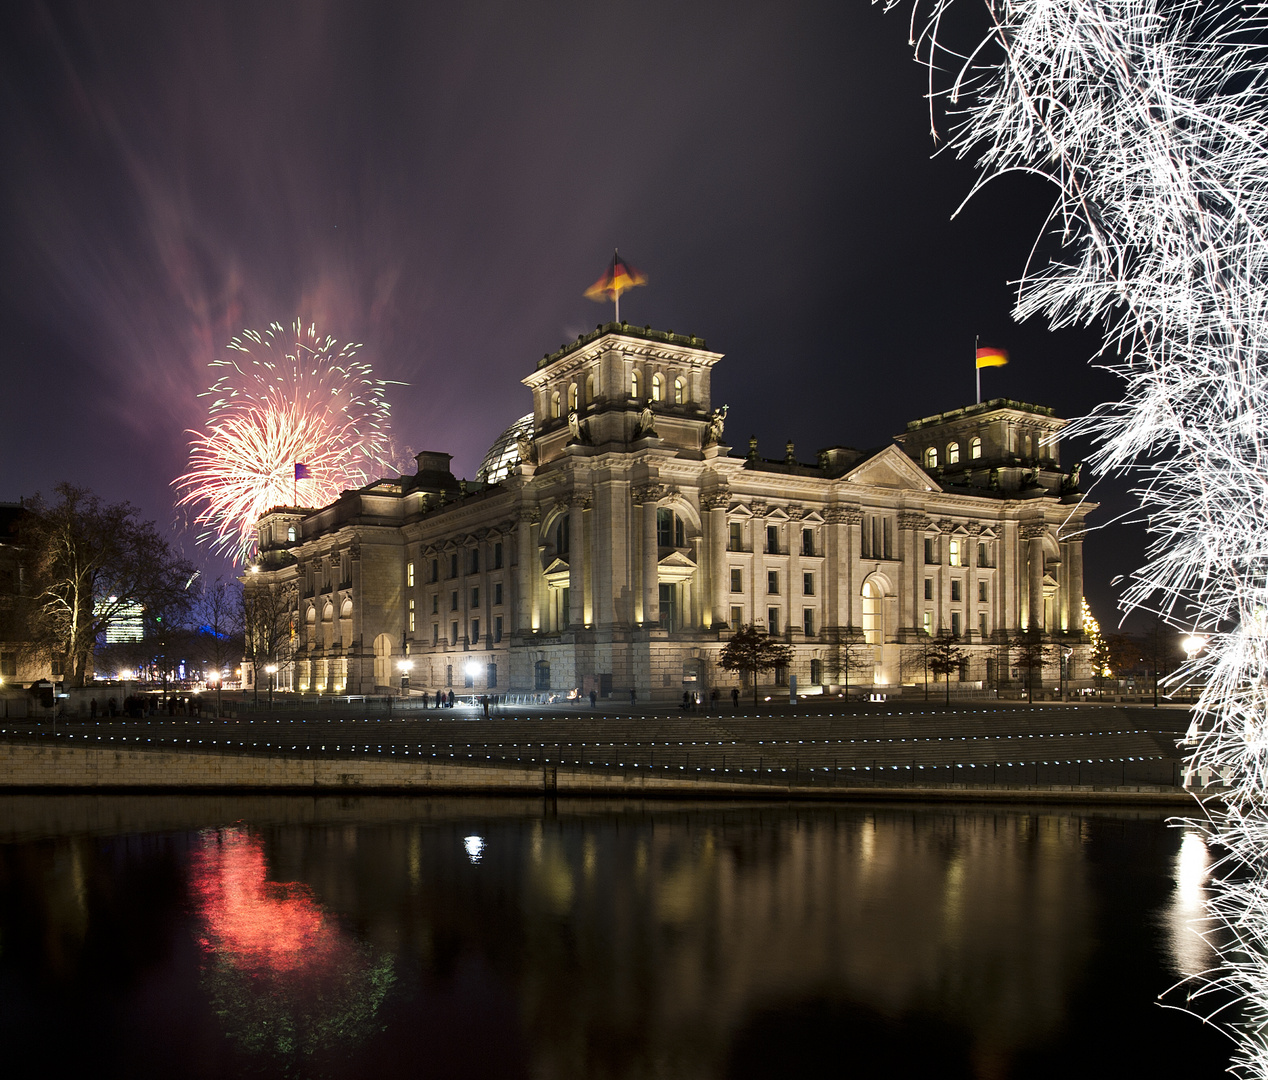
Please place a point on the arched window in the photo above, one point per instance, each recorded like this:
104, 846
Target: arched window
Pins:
634, 384
873, 614
931, 458
953, 453
670, 531
1025, 446
658, 388
290, 534
554, 404
975, 448
680, 392
572, 398
589, 389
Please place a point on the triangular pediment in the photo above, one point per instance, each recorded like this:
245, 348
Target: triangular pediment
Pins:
557, 565
891, 468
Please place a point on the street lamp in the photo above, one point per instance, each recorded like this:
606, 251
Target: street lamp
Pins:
1066, 653
405, 666
1192, 645
272, 670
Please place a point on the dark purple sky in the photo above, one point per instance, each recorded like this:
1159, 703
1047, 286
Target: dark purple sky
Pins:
442, 182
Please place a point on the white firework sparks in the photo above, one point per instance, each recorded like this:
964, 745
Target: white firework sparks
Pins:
282, 398
1150, 119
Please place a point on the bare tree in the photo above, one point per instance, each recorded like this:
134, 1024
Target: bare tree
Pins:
268, 619
1031, 653
218, 621
854, 657
754, 651
89, 563
916, 658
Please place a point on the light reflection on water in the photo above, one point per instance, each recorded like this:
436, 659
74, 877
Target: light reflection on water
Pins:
412, 937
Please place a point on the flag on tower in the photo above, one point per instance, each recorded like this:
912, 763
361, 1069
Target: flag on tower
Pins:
619, 277
991, 358
301, 471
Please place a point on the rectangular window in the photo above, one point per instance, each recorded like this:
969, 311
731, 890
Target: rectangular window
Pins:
737, 617
497, 556
808, 621
9, 664
957, 588
664, 528
449, 674
807, 584
772, 620
497, 594
981, 554
497, 629
435, 570
475, 631
453, 600
981, 591
453, 633
955, 624
953, 552
737, 580
772, 581
491, 676
772, 539
411, 616
981, 624
475, 597
737, 536
453, 564
928, 588
409, 574
929, 551
475, 560
435, 604
468, 680
435, 633
927, 623
807, 541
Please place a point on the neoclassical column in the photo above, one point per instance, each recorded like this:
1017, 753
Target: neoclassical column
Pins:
911, 576
649, 496
578, 504
1033, 535
714, 505
971, 604
525, 608
1072, 556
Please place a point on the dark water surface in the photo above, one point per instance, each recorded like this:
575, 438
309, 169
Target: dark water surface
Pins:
380, 937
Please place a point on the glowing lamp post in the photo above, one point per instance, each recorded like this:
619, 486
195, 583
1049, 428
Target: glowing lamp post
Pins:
272, 670
405, 665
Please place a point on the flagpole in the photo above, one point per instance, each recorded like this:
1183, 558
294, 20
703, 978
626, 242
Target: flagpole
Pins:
616, 299
977, 370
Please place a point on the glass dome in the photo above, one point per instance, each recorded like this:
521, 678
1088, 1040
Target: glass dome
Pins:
504, 454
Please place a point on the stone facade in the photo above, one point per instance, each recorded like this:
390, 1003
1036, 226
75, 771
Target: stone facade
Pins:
628, 543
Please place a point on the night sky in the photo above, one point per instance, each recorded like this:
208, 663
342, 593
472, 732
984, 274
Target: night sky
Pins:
441, 182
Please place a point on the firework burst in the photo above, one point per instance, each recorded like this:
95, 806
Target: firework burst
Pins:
283, 397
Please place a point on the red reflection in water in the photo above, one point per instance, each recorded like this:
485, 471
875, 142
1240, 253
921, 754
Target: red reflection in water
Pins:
253, 922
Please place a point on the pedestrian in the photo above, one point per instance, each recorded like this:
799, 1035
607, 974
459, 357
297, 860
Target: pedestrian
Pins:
594, 697
92, 709
451, 699
686, 700
713, 700
633, 697
439, 698
735, 698
484, 704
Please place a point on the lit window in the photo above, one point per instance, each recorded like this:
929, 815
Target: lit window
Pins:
411, 616
633, 384
554, 404
927, 625
953, 453
680, 392
953, 552
931, 458
572, 398
657, 388
975, 448
409, 574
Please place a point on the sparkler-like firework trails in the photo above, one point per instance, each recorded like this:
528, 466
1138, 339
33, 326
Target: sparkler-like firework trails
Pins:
282, 398
1151, 121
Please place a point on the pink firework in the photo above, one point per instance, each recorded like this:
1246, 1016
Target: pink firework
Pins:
282, 398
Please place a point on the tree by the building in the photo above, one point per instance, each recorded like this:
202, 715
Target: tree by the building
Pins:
268, 619
944, 657
753, 651
87, 563
915, 659
1031, 652
855, 658
218, 626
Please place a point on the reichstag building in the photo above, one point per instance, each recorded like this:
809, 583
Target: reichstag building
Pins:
613, 540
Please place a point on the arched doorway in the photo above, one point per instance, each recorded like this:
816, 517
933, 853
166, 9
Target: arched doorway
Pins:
383, 660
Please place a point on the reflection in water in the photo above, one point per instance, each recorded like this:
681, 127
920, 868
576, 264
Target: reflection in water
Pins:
1186, 918
386, 938
282, 975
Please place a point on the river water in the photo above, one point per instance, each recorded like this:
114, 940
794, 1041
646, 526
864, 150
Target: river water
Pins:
383, 937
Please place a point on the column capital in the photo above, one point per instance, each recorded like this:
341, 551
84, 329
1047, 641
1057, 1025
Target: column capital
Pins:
914, 519
1034, 531
716, 500
530, 515
843, 515
649, 493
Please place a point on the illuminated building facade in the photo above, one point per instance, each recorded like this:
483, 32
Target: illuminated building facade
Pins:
620, 543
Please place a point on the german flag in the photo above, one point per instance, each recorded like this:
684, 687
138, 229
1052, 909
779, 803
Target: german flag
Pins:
619, 277
991, 358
